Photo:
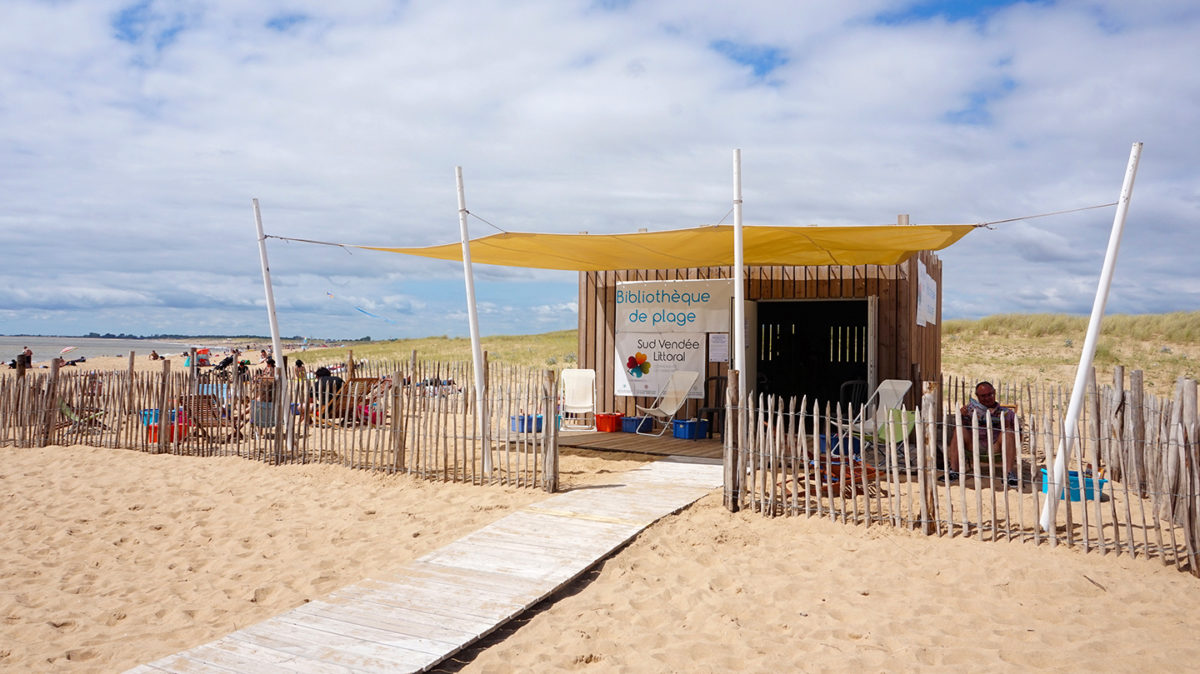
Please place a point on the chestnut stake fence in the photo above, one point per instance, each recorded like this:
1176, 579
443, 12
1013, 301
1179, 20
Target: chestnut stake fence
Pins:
413, 417
1133, 486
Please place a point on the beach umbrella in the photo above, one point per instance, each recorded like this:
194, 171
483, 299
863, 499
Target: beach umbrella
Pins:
67, 349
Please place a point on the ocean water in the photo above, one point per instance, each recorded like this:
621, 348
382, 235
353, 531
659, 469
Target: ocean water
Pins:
46, 349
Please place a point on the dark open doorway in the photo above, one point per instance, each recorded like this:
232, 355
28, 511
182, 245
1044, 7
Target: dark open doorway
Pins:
812, 347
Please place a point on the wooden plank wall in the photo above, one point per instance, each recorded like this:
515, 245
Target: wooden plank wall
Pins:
905, 350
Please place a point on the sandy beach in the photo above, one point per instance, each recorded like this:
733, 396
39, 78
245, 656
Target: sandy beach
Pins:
115, 558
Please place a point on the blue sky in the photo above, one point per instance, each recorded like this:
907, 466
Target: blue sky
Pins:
135, 134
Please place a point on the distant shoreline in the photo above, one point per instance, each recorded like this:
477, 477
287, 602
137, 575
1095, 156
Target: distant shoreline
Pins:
159, 338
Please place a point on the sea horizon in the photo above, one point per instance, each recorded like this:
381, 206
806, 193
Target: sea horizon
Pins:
48, 347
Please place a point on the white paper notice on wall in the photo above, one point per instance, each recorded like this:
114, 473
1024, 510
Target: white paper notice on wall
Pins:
926, 296
718, 347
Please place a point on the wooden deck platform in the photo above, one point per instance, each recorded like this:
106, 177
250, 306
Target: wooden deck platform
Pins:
705, 448
437, 605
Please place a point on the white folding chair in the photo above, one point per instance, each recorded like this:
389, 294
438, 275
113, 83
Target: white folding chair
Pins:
577, 393
885, 407
670, 399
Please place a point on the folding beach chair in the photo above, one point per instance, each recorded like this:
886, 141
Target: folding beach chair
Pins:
883, 419
81, 421
204, 411
577, 396
342, 405
870, 420
670, 399
372, 406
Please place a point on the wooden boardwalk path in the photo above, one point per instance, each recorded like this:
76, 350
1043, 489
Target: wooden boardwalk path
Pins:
437, 605
708, 448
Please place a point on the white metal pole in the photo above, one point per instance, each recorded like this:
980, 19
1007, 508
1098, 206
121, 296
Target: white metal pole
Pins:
739, 292
276, 346
1059, 473
473, 323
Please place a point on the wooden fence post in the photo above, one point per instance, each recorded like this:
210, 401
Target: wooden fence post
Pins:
129, 379
1188, 475
550, 450
924, 461
51, 402
731, 438
191, 369
1137, 426
164, 414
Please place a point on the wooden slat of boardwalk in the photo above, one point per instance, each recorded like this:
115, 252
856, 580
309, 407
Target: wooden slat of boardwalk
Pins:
437, 605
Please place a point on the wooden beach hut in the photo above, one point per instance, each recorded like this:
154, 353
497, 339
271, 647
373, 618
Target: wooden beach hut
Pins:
823, 305
811, 329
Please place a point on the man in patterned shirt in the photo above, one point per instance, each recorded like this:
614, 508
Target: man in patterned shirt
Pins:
1003, 435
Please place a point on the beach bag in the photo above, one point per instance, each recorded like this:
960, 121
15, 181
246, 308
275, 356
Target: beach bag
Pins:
369, 415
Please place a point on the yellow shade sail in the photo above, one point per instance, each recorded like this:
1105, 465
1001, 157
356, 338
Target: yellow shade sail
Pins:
707, 246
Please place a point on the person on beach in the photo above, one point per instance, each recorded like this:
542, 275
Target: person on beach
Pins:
263, 385
326, 384
26, 356
154, 355
263, 357
978, 410
300, 372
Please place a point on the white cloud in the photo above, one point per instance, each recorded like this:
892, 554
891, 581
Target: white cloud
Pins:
132, 162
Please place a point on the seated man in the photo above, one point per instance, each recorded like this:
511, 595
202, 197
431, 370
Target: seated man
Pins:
981, 407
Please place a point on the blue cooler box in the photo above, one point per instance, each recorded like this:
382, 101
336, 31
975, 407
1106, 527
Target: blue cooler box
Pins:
1093, 488
635, 424
525, 423
690, 430
150, 416
834, 443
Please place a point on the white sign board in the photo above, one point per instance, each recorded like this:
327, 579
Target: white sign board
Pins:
926, 296
644, 361
673, 306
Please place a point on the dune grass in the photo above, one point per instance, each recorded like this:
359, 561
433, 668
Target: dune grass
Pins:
1015, 348
1045, 348
1179, 327
549, 349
